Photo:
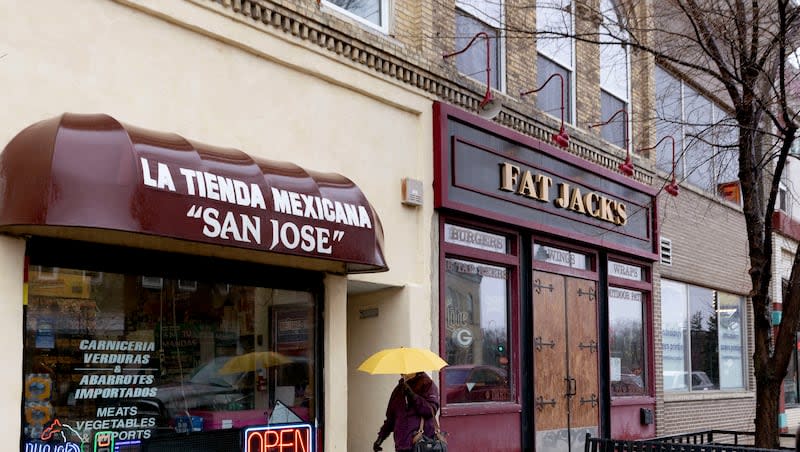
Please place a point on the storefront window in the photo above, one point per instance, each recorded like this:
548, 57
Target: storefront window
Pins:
476, 310
790, 382
626, 339
132, 356
702, 338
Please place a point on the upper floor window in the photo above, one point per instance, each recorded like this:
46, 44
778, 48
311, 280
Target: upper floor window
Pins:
555, 48
614, 74
374, 13
473, 17
782, 202
706, 153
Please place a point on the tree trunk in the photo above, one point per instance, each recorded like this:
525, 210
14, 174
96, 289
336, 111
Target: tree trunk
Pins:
767, 403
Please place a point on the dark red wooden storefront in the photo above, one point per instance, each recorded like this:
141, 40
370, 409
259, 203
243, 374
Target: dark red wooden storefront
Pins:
563, 225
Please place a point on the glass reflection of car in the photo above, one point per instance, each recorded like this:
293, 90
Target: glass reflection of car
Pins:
628, 384
475, 383
207, 388
676, 380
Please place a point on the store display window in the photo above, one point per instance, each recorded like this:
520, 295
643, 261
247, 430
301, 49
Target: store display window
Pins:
476, 310
703, 339
127, 356
627, 342
628, 337
478, 271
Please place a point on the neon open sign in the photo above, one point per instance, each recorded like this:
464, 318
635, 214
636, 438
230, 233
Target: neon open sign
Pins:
279, 438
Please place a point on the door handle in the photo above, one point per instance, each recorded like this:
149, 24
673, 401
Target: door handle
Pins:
571, 386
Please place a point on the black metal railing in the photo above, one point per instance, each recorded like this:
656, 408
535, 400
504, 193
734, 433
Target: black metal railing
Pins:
727, 437
706, 441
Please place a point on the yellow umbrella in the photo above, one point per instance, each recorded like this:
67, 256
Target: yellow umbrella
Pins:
253, 361
402, 361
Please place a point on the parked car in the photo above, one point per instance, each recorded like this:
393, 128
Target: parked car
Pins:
475, 383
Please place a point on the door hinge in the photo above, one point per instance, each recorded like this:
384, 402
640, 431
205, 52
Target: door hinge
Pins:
539, 343
538, 286
592, 346
541, 402
590, 293
593, 400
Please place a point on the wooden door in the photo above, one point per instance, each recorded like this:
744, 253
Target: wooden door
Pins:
581, 301
565, 361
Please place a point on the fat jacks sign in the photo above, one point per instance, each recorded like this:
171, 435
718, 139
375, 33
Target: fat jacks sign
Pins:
487, 170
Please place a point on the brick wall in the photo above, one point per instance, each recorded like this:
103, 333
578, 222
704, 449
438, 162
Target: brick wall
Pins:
709, 249
704, 414
709, 242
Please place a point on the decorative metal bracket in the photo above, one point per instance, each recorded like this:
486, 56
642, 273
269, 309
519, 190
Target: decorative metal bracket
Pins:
593, 400
590, 293
539, 343
538, 286
541, 402
592, 346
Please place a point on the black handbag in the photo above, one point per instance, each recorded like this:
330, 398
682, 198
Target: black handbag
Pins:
423, 443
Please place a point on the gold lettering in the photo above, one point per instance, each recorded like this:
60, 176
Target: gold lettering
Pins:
590, 201
563, 196
527, 187
537, 186
544, 186
508, 176
622, 215
605, 209
576, 201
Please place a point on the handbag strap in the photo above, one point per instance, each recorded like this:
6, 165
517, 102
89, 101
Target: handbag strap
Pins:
435, 421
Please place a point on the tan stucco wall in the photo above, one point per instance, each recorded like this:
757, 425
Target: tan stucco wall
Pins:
193, 69
12, 262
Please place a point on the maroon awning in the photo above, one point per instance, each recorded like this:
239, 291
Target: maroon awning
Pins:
73, 175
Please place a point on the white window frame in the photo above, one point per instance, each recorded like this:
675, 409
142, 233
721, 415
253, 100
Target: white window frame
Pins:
783, 203
609, 43
569, 63
467, 8
609, 6
743, 354
383, 27
680, 134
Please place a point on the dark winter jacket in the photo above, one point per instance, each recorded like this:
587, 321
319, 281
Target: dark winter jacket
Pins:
403, 413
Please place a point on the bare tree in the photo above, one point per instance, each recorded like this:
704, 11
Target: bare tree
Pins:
742, 51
